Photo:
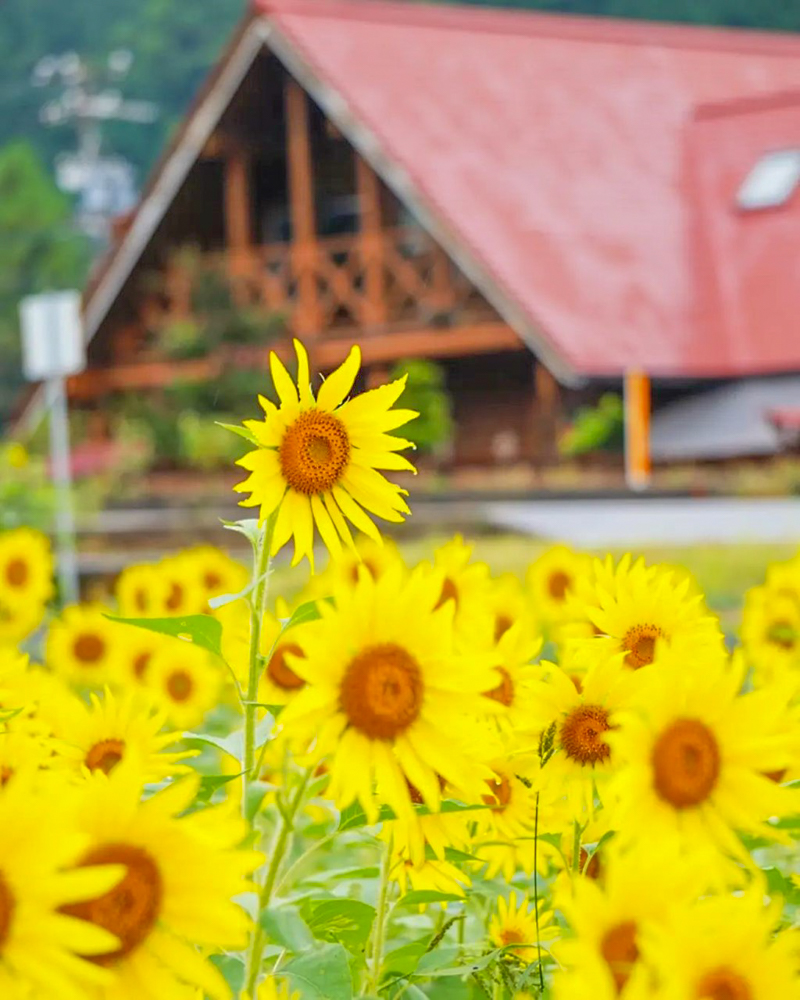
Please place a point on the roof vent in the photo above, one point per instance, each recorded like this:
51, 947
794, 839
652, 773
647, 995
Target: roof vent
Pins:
771, 182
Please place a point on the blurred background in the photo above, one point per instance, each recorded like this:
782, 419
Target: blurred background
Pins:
578, 236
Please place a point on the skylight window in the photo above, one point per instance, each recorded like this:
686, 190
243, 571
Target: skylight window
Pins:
771, 182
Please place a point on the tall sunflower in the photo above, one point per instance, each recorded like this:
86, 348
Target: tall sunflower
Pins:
693, 760
83, 645
551, 580
770, 633
185, 681
468, 586
318, 460
513, 926
181, 873
387, 694
26, 567
18, 621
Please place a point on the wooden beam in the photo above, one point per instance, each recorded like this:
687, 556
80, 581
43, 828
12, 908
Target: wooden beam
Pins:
546, 410
637, 429
371, 242
301, 208
238, 201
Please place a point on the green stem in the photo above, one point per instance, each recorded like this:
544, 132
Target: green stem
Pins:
576, 847
536, 893
283, 836
379, 927
258, 603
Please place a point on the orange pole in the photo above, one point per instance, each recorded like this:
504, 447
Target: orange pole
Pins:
637, 429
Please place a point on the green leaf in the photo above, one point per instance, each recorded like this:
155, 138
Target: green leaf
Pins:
203, 630
223, 599
353, 816
209, 783
418, 897
321, 974
308, 612
404, 960
243, 432
285, 927
233, 744
348, 921
232, 969
247, 526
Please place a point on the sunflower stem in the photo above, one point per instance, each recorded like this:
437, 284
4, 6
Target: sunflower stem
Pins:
536, 893
258, 603
379, 926
280, 844
576, 847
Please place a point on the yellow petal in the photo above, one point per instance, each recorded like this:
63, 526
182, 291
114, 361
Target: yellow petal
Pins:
283, 382
303, 378
340, 382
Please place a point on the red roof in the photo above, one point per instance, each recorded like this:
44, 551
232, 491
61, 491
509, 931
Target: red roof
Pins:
588, 167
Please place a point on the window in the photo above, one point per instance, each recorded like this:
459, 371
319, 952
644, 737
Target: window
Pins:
772, 180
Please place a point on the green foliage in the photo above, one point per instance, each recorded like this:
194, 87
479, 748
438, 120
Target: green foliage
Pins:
595, 428
426, 393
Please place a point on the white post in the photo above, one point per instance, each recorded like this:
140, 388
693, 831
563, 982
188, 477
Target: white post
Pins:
56, 396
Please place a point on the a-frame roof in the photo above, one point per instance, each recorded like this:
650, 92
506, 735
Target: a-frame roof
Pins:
565, 163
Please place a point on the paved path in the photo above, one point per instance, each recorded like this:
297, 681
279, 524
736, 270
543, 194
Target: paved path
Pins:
679, 521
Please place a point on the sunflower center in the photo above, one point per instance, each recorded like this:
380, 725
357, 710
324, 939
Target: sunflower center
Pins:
105, 755
685, 763
6, 774
512, 935
504, 692
590, 866
180, 685
581, 734
640, 642
449, 593
140, 599
7, 907
500, 788
382, 691
17, 573
175, 596
212, 580
620, 951
502, 624
314, 452
558, 583
129, 910
723, 984
783, 634
278, 670
89, 648
141, 663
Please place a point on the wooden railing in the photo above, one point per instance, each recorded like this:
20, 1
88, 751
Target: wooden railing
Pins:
369, 282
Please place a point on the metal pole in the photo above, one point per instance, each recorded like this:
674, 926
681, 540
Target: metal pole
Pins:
56, 396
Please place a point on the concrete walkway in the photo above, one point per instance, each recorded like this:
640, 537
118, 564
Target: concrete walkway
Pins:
679, 521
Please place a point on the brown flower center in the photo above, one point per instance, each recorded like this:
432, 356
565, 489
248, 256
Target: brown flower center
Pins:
278, 670
6, 774
500, 789
175, 596
685, 763
619, 949
558, 583
581, 734
512, 935
593, 869
640, 642
105, 755
180, 685
141, 663
212, 580
89, 648
369, 565
723, 984
129, 910
504, 692
449, 592
7, 906
140, 599
502, 624
783, 634
314, 452
382, 691
17, 573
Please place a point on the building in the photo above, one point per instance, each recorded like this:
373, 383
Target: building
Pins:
542, 203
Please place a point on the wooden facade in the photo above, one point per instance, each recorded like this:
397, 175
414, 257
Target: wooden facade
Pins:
299, 226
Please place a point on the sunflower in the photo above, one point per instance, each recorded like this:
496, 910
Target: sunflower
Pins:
509, 605
608, 921
516, 677
770, 633
185, 681
24, 750
318, 461
640, 611
101, 735
141, 591
38, 938
725, 948
513, 927
434, 875
388, 695
579, 712
134, 656
551, 579
26, 567
217, 572
18, 621
275, 988
374, 556
83, 645
468, 586
181, 873
693, 760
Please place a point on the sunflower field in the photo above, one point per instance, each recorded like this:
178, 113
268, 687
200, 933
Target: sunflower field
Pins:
401, 781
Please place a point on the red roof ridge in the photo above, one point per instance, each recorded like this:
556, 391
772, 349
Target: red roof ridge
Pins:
744, 105
573, 27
